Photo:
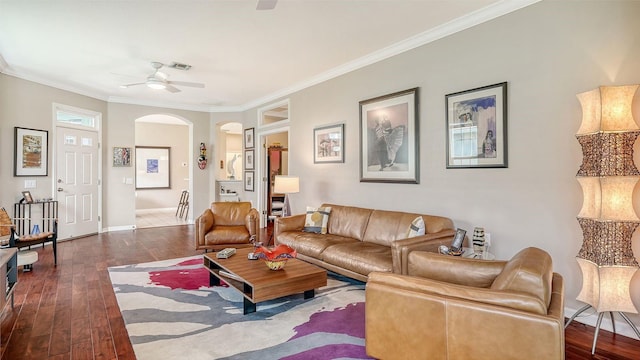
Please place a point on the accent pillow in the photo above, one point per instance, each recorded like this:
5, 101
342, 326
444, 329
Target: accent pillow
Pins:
316, 220
416, 228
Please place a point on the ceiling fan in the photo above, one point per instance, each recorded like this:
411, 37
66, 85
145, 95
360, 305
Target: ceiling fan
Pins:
158, 80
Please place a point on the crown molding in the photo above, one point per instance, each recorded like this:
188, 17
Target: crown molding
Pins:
459, 24
477, 17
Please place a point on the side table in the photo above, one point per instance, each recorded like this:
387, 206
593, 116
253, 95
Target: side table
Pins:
469, 253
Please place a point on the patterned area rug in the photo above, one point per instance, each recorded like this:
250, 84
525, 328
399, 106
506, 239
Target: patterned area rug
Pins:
171, 313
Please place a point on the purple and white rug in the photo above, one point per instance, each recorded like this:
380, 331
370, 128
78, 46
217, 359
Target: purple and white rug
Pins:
171, 313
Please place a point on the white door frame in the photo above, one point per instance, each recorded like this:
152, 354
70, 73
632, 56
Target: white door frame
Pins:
96, 128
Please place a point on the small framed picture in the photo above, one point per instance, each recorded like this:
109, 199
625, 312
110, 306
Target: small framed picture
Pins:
249, 138
249, 159
248, 181
328, 144
477, 127
121, 156
458, 239
27, 197
31, 152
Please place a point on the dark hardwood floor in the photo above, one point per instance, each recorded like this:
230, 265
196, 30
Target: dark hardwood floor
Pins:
70, 311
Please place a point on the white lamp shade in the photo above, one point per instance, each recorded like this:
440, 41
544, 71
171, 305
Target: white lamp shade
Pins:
606, 288
607, 108
286, 184
608, 198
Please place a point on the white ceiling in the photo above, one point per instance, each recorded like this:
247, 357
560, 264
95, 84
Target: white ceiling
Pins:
245, 57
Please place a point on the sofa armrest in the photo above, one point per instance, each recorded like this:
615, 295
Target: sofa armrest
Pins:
454, 269
252, 222
288, 223
204, 223
400, 249
506, 299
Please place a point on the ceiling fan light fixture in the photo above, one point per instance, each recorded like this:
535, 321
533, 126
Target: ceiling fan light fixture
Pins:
156, 84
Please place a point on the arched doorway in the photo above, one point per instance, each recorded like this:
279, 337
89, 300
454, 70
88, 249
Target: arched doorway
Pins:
163, 167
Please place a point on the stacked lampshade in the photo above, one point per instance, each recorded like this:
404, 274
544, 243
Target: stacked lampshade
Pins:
607, 176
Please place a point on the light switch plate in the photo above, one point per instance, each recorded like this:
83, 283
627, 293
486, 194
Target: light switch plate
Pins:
29, 184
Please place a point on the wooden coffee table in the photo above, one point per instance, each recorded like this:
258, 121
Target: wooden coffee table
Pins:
258, 283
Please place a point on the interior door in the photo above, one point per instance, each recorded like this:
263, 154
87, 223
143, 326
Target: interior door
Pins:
77, 182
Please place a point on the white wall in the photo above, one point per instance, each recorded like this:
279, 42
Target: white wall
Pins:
547, 53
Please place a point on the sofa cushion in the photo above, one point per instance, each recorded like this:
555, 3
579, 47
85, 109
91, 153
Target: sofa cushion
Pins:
359, 257
227, 235
416, 228
311, 244
386, 226
230, 213
316, 220
529, 271
348, 221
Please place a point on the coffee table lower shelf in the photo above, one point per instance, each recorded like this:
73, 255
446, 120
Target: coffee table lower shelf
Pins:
258, 283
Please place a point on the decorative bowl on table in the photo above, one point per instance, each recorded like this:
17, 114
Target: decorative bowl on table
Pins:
277, 257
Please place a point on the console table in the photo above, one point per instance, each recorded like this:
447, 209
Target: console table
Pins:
42, 213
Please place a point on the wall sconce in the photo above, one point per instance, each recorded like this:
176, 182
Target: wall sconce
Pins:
607, 218
286, 185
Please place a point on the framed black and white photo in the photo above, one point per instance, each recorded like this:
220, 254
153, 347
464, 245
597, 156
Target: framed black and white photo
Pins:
152, 167
477, 127
249, 159
249, 138
389, 142
248, 181
31, 152
328, 144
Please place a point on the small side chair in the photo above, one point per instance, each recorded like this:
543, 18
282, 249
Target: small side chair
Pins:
227, 224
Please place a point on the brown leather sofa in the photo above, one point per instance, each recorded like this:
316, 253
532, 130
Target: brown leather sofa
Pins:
359, 241
455, 308
227, 224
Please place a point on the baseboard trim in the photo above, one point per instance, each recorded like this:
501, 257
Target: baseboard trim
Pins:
119, 228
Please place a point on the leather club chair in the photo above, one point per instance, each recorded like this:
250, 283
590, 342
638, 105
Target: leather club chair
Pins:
227, 224
448, 307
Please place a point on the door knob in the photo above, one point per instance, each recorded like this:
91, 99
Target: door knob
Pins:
60, 189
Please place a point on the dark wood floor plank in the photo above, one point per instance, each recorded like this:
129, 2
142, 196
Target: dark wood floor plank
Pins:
70, 311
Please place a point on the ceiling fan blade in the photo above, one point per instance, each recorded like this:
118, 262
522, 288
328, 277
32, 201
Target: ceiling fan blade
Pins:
266, 4
172, 89
186, 83
130, 85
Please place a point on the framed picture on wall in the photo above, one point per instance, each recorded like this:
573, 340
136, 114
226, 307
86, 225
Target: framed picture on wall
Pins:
389, 142
31, 152
248, 181
477, 127
152, 167
249, 138
249, 159
328, 144
121, 156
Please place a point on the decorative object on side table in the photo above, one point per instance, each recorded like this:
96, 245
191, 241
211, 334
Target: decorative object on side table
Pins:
456, 246
276, 258
607, 176
478, 240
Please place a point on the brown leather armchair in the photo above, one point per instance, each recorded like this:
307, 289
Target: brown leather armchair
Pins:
456, 308
227, 224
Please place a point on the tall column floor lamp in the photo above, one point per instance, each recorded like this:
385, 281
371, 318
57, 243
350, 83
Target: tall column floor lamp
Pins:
607, 218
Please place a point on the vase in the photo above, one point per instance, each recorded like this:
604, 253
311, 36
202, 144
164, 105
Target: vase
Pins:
478, 240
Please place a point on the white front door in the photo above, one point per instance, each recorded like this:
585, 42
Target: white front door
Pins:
77, 182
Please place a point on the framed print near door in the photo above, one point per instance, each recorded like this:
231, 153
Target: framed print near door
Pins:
328, 144
152, 167
477, 127
389, 142
249, 184
31, 153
